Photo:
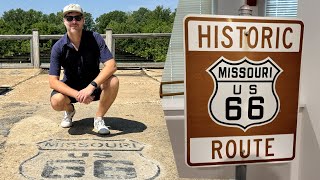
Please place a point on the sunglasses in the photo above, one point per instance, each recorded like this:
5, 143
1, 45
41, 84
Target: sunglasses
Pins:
70, 18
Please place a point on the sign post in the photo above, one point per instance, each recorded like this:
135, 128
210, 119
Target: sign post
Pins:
241, 89
241, 170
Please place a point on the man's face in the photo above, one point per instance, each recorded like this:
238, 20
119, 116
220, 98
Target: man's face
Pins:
73, 21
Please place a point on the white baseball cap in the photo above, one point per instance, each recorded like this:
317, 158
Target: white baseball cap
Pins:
72, 8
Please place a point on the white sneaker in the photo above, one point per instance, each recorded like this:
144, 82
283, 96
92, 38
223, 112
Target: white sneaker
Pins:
99, 126
67, 119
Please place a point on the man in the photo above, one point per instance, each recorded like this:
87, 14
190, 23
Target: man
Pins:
79, 52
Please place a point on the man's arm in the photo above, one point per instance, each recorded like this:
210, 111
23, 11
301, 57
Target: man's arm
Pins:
107, 59
110, 67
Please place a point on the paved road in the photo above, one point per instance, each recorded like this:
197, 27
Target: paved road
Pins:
33, 146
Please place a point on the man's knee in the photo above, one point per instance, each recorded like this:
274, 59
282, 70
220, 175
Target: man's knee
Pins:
112, 82
58, 102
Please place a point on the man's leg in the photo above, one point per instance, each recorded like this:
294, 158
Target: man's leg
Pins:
60, 102
109, 91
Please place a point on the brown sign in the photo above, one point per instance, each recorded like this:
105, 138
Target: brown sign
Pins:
242, 87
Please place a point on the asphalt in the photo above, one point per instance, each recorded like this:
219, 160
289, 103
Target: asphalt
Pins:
34, 146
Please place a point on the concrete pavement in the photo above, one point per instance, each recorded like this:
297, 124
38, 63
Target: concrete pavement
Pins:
33, 146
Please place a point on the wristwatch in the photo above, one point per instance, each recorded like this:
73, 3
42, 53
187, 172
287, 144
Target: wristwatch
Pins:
94, 84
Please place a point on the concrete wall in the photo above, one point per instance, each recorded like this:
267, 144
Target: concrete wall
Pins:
310, 88
309, 150
228, 7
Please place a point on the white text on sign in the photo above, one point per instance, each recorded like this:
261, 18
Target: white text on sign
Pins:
239, 148
243, 36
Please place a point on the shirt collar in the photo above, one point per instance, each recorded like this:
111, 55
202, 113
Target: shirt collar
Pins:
66, 40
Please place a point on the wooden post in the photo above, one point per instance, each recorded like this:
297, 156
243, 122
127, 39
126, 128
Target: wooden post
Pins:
113, 50
35, 49
109, 40
31, 51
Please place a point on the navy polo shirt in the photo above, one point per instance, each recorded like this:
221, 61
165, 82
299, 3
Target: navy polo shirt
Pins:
82, 66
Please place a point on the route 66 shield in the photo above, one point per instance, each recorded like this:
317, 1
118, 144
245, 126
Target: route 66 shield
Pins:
89, 159
244, 94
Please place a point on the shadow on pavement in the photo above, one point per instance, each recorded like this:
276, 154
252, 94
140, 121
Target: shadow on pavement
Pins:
120, 125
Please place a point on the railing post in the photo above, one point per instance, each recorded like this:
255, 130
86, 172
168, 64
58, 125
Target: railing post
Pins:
109, 40
31, 51
35, 49
113, 51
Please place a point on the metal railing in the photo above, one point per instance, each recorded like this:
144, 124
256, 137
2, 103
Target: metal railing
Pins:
34, 38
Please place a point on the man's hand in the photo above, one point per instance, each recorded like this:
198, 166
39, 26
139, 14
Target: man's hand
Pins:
84, 96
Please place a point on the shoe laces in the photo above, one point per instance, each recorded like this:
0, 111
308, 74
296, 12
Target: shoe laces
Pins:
67, 115
100, 123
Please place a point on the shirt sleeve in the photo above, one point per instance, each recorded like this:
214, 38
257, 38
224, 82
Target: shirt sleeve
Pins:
55, 65
105, 53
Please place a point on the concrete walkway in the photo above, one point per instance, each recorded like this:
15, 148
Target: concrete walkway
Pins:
33, 146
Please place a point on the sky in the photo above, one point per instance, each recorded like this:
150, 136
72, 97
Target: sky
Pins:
95, 7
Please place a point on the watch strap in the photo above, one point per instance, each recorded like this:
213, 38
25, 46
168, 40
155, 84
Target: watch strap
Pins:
94, 84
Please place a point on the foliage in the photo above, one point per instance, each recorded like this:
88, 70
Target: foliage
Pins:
89, 23
160, 20
103, 21
143, 20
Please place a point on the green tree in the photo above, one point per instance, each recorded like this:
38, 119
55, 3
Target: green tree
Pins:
89, 23
54, 18
141, 16
18, 21
103, 21
47, 28
160, 20
21, 21
5, 28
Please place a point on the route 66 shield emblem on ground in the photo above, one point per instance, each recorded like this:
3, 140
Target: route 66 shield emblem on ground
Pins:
89, 159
